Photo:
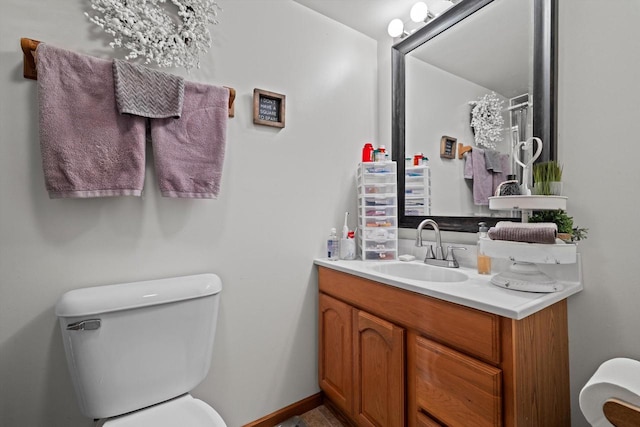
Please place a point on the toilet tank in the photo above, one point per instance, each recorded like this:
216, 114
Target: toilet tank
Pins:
132, 345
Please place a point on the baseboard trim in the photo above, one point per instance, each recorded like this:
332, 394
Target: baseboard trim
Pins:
284, 414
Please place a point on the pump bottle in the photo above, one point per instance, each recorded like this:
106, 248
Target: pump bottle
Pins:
484, 261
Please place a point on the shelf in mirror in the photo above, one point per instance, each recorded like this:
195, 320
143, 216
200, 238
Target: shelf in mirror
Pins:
528, 203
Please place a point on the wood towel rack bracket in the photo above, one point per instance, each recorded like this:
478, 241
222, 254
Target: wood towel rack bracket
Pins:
29, 50
29, 69
463, 149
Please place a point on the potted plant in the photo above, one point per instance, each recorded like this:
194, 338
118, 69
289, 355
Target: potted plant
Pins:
566, 229
547, 177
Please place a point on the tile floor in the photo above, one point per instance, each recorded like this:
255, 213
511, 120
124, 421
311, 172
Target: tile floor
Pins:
321, 417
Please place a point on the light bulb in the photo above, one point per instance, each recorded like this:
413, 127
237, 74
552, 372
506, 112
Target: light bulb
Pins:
419, 12
395, 28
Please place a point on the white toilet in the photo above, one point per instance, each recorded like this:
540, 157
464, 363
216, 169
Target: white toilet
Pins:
136, 350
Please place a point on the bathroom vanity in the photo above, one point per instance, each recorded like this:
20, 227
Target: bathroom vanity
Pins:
400, 352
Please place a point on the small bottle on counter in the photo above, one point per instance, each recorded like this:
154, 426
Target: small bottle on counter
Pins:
383, 155
332, 246
484, 261
367, 152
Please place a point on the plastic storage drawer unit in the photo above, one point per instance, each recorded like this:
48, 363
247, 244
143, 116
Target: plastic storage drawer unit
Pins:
377, 211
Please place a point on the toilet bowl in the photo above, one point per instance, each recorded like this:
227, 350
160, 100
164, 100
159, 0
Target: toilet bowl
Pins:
136, 350
181, 411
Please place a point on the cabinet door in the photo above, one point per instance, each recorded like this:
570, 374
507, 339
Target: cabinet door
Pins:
379, 372
455, 389
335, 361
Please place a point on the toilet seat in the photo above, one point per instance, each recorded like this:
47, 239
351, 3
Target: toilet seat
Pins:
184, 410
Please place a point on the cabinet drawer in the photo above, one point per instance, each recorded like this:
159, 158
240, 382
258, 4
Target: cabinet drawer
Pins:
455, 389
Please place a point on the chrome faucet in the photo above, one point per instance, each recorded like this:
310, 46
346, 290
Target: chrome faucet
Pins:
438, 258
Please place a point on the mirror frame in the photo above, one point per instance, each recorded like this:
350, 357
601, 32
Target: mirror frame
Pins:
544, 96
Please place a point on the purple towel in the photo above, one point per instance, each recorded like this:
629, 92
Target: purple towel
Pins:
88, 148
524, 234
468, 165
482, 178
189, 151
485, 181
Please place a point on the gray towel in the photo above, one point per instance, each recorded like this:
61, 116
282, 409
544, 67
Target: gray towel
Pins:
524, 234
144, 92
493, 160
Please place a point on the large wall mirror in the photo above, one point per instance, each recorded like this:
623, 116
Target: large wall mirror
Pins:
500, 52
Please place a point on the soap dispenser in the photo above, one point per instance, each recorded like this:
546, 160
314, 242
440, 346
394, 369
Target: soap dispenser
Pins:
484, 261
332, 245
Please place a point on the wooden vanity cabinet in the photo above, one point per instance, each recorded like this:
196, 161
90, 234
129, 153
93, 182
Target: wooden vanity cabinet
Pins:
390, 357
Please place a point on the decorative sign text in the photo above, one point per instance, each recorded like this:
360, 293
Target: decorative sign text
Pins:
268, 108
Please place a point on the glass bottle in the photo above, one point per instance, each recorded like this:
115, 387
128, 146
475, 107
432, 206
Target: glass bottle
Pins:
484, 261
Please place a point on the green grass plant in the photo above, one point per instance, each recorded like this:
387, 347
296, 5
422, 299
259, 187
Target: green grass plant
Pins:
543, 174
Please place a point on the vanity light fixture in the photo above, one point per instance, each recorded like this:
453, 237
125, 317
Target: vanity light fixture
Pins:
420, 13
396, 28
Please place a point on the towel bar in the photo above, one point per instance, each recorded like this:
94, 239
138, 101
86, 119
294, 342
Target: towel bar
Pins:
29, 68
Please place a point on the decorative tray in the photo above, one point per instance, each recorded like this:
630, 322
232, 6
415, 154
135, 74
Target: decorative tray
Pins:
528, 203
538, 253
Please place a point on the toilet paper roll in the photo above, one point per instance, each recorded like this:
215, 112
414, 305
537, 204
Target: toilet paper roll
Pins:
616, 378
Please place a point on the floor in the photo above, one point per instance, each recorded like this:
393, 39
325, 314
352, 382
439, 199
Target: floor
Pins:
320, 417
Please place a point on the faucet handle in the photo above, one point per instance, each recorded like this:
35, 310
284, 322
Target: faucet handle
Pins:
450, 250
430, 254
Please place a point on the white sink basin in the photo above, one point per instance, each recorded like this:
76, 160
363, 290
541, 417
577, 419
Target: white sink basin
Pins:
419, 271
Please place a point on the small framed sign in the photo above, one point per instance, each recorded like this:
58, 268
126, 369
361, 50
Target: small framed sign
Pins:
268, 108
448, 147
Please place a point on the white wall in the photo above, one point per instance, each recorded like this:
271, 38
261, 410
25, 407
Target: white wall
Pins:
599, 131
281, 192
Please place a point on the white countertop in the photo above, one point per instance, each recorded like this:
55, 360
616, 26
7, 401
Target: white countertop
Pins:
476, 292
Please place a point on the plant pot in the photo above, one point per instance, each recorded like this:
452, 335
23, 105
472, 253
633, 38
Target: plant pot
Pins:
565, 237
555, 188
552, 188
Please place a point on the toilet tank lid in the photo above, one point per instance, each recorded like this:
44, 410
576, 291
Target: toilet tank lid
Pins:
124, 296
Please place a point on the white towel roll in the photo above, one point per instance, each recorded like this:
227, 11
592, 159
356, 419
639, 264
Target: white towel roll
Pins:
616, 378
